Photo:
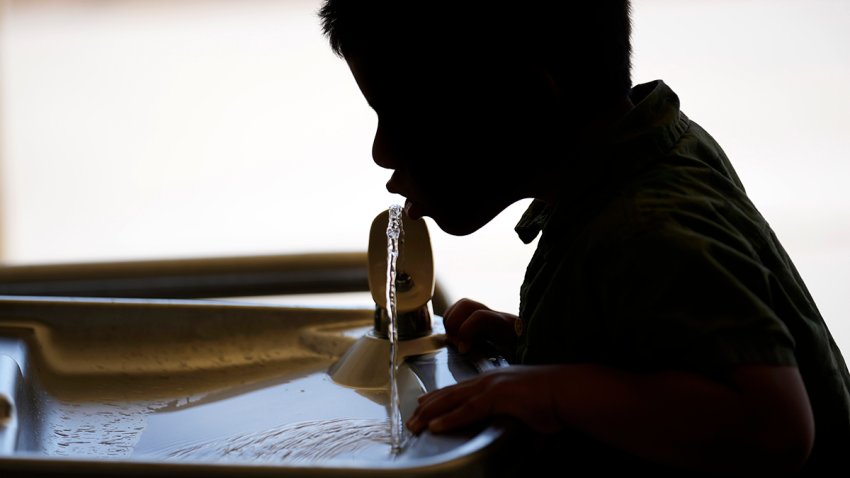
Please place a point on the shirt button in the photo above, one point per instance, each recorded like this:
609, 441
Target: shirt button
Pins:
518, 327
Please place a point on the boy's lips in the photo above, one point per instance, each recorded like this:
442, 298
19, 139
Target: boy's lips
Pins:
411, 208
412, 211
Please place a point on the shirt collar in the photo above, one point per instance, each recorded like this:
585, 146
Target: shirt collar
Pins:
649, 130
533, 220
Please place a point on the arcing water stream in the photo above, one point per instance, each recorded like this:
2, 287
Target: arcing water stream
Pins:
394, 237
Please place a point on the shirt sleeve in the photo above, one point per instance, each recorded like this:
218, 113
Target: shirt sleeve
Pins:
671, 297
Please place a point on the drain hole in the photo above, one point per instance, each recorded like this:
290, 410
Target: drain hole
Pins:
5, 410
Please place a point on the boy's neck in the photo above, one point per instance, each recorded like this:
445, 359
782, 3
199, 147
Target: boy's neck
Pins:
592, 133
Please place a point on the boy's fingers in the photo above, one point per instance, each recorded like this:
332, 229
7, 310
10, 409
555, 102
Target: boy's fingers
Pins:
450, 310
439, 400
453, 390
438, 403
484, 325
458, 313
471, 411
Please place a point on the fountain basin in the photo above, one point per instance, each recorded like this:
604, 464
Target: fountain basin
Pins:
184, 388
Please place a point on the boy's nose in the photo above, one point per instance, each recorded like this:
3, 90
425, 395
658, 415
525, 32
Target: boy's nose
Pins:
381, 152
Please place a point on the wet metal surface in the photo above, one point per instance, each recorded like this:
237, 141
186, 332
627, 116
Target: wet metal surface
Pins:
241, 388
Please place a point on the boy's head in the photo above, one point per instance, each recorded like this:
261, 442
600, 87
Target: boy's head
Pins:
479, 103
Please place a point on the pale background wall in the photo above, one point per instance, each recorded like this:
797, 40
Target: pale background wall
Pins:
139, 129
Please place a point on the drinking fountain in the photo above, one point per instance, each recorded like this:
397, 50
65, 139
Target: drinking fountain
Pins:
96, 386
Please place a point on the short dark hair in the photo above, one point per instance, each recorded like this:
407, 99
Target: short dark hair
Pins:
583, 43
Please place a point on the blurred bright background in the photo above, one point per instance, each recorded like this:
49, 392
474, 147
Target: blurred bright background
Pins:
134, 129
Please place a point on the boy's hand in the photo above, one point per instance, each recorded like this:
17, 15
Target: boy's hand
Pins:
470, 324
758, 418
521, 392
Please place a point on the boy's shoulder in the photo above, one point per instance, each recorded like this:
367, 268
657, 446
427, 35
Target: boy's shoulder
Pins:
655, 165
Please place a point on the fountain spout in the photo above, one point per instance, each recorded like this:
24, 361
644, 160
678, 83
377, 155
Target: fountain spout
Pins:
414, 279
365, 363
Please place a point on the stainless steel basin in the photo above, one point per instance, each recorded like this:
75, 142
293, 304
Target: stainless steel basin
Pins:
189, 387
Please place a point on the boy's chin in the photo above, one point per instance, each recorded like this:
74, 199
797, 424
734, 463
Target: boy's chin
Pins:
459, 226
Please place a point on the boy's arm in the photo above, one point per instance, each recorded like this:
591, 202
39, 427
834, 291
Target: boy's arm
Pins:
760, 420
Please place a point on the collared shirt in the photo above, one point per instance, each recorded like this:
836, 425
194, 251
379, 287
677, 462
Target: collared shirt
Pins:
654, 258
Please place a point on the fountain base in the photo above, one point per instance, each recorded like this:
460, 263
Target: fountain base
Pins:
365, 364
